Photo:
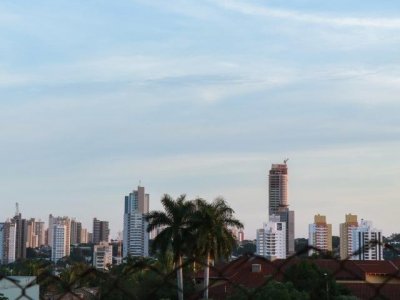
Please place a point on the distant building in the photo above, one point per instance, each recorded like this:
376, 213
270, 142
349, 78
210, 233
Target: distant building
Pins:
40, 233
65, 221
278, 202
84, 236
101, 231
135, 235
102, 256
32, 238
76, 231
21, 227
320, 234
271, 239
59, 242
240, 236
8, 236
367, 241
346, 237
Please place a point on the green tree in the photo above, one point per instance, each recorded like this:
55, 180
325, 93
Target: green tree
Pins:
175, 233
308, 277
211, 225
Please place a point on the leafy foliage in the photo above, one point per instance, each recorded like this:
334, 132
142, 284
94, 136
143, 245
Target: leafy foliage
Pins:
308, 277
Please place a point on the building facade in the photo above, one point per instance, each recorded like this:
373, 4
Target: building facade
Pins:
278, 204
102, 256
346, 236
101, 231
271, 239
21, 227
63, 221
320, 235
135, 235
367, 242
59, 242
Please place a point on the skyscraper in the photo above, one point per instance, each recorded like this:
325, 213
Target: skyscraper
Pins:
101, 231
135, 236
346, 237
76, 228
59, 241
278, 204
21, 227
320, 234
8, 239
40, 232
64, 221
278, 188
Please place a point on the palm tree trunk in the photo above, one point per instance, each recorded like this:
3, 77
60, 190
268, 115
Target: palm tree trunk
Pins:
206, 276
179, 276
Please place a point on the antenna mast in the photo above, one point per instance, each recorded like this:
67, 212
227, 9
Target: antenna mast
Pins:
16, 209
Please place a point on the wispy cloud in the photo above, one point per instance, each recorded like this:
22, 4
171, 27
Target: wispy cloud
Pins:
264, 11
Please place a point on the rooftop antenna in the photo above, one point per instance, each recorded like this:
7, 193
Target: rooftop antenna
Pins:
140, 182
286, 160
16, 209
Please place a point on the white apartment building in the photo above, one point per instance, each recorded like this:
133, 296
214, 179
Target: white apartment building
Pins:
135, 235
271, 239
59, 242
102, 256
63, 221
367, 242
8, 236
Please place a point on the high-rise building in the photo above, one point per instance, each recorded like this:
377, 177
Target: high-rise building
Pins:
76, 229
278, 202
2, 243
84, 236
32, 238
40, 232
102, 256
320, 235
21, 227
271, 239
59, 241
8, 242
346, 237
278, 188
367, 241
136, 237
64, 221
101, 232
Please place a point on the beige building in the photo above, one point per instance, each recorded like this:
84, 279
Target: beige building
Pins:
102, 256
346, 241
320, 234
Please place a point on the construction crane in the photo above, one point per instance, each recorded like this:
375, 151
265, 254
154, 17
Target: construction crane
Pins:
286, 160
16, 209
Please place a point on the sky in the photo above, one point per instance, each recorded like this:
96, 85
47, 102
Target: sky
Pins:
200, 98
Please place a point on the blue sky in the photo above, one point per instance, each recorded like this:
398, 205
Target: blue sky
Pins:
200, 97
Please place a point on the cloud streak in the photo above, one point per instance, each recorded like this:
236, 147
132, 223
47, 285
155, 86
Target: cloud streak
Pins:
291, 15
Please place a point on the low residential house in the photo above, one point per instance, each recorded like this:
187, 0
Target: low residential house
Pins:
365, 279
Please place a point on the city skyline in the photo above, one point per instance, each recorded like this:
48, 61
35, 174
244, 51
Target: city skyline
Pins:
200, 98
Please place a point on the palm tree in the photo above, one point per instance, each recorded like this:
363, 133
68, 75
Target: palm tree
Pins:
175, 233
211, 223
